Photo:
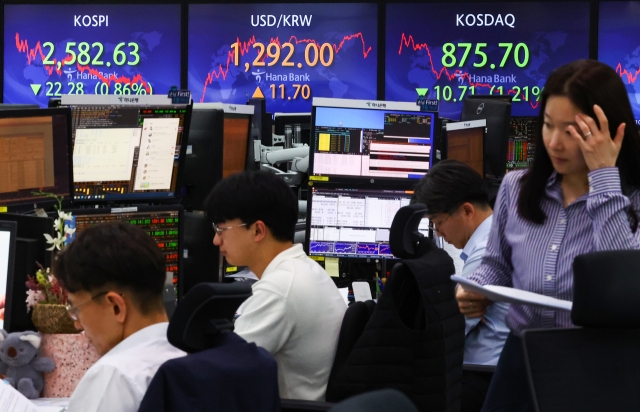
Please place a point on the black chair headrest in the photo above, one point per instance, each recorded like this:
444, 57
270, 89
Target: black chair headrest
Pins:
204, 313
404, 237
606, 289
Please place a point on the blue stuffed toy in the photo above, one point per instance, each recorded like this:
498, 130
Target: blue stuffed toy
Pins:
20, 362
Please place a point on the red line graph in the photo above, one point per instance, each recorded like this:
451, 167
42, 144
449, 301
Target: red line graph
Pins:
409, 43
32, 54
245, 47
631, 77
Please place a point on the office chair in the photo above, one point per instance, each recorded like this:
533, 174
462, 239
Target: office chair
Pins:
414, 338
221, 371
384, 400
597, 367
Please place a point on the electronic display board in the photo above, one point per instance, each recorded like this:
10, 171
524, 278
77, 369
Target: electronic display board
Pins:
450, 50
619, 45
56, 49
292, 52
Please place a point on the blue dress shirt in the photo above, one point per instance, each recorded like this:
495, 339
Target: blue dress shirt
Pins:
485, 336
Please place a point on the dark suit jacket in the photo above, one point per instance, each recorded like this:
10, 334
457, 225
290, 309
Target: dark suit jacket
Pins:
233, 376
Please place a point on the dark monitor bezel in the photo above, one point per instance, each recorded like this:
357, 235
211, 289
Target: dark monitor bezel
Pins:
12, 228
209, 155
35, 201
153, 197
495, 152
147, 209
369, 181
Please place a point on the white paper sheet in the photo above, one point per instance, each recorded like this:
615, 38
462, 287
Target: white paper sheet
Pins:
13, 401
511, 295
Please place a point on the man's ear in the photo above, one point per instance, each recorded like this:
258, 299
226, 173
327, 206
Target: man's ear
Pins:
260, 230
118, 305
469, 209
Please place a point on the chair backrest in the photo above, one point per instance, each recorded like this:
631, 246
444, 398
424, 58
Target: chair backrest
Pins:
222, 370
203, 313
414, 338
355, 319
606, 289
384, 400
583, 369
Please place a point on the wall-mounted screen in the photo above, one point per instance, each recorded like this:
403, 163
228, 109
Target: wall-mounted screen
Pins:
56, 49
292, 52
450, 51
619, 45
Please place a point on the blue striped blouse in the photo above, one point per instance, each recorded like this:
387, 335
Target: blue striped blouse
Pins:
539, 258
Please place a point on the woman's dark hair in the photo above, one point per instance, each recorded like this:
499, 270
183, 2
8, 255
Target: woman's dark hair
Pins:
114, 255
251, 196
585, 83
449, 184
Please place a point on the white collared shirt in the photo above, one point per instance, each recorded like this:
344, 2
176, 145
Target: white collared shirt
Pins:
119, 379
295, 313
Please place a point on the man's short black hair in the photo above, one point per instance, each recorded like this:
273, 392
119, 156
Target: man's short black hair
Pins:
255, 195
448, 185
114, 255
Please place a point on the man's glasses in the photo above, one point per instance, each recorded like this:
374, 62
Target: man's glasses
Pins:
74, 310
433, 226
219, 229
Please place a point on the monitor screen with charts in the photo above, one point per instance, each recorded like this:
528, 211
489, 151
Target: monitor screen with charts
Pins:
124, 152
162, 223
354, 223
364, 139
34, 154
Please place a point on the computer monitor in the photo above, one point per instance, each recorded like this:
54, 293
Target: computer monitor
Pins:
162, 223
295, 120
351, 222
465, 142
12, 106
8, 232
34, 155
237, 150
496, 110
524, 132
370, 140
31, 250
127, 148
204, 160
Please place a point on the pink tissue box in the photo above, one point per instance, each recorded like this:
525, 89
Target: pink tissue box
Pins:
73, 355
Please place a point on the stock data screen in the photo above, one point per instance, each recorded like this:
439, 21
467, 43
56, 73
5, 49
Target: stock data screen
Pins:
448, 51
126, 152
161, 226
56, 49
353, 222
355, 142
291, 52
619, 45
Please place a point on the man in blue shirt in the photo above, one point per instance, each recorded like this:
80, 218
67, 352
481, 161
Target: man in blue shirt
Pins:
459, 211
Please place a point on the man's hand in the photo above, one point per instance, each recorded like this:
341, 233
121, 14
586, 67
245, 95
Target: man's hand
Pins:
471, 304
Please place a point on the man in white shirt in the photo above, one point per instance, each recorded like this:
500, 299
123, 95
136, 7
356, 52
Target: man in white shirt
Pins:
115, 276
459, 210
296, 310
